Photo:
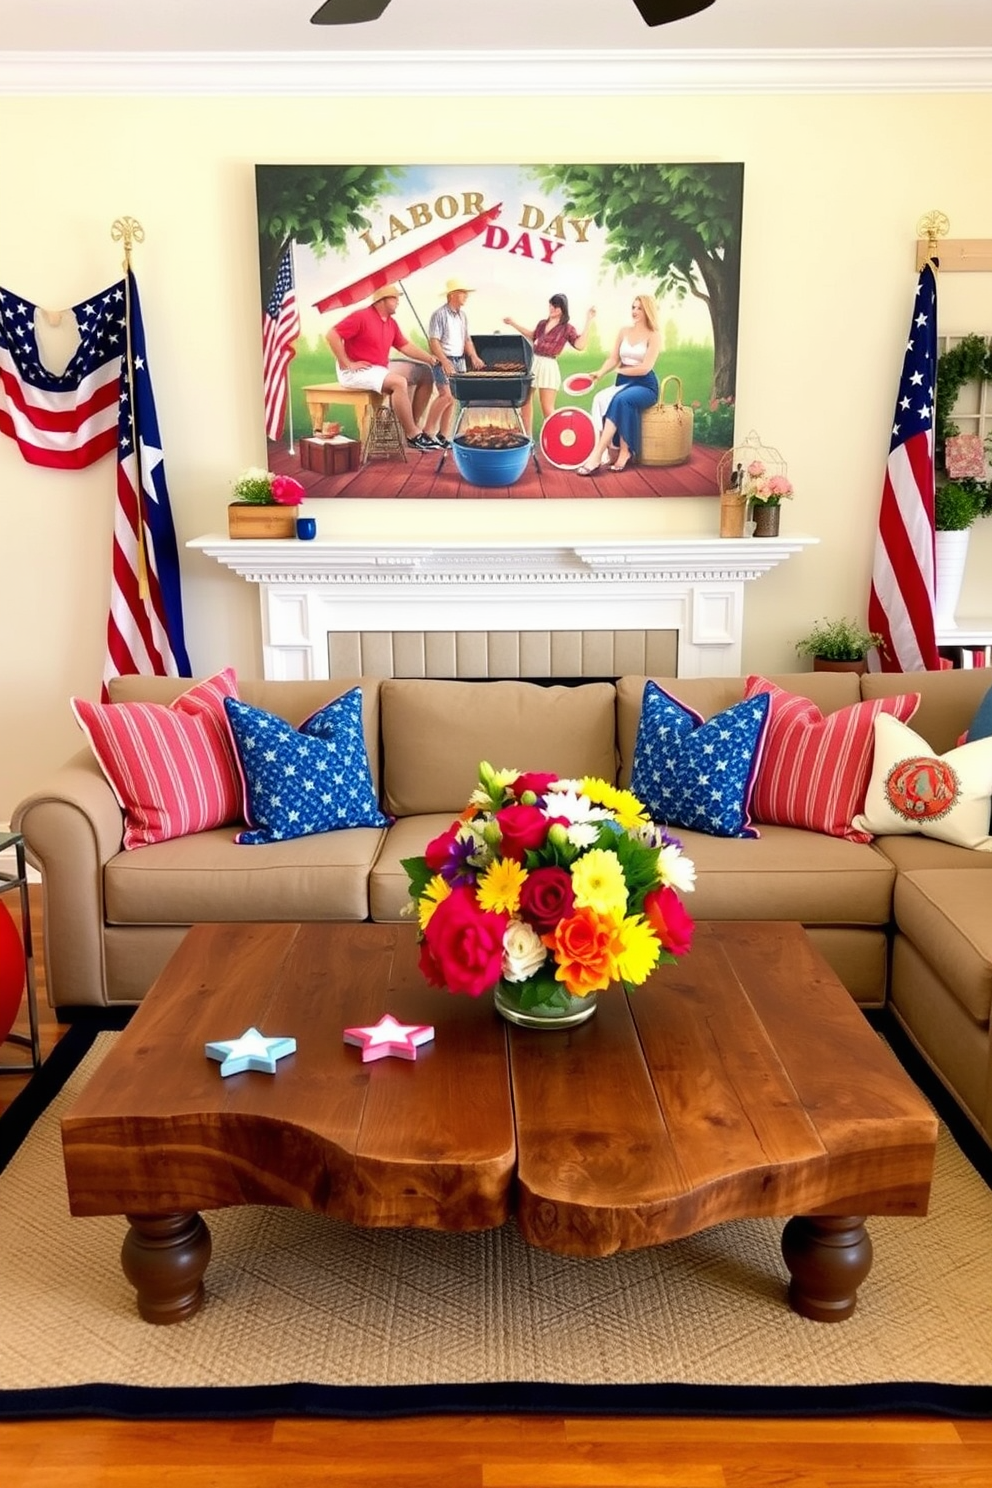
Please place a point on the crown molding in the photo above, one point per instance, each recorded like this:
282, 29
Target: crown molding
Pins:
489, 73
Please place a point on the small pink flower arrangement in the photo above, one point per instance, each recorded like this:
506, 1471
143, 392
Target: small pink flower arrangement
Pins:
765, 489
262, 488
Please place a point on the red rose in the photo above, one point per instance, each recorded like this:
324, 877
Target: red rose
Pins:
466, 943
669, 919
438, 850
534, 781
286, 491
429, 969
546, 898
523, 828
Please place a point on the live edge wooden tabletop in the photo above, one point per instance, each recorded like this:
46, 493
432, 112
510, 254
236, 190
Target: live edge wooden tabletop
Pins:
742, 1081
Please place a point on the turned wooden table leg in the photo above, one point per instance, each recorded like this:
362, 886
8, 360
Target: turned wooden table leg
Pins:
164, 1257
828, 1257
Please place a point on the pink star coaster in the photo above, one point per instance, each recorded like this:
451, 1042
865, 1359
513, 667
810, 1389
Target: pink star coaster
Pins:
388, 1037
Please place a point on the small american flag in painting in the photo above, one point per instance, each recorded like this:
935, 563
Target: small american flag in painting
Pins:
280, 328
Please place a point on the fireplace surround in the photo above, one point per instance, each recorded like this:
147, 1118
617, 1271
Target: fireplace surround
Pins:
693, 586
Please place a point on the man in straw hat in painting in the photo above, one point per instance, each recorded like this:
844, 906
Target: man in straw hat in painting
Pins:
362, 343
449, 339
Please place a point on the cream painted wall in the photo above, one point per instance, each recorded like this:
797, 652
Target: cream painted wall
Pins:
833, 189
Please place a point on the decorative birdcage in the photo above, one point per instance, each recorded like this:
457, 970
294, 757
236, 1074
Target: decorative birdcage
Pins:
737, 484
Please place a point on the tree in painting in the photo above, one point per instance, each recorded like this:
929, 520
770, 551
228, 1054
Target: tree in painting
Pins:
316, 205
677, 225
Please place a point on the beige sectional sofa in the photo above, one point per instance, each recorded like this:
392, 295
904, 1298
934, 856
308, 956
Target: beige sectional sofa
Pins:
903, 921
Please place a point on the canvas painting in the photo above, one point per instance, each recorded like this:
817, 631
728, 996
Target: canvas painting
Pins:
532, 332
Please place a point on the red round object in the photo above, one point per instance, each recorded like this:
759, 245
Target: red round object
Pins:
12, 971
568, 438
578, 383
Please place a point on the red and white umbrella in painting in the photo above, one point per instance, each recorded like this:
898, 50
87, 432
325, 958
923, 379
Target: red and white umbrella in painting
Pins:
417, 258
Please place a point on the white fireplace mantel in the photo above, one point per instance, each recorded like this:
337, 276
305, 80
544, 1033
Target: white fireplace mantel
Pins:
693, 585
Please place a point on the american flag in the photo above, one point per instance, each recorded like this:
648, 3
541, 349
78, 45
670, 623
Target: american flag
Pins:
66, 419
280, 328
69, 419
901, 604
145, 633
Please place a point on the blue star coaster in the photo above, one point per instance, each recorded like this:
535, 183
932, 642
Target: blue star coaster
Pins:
250, 1052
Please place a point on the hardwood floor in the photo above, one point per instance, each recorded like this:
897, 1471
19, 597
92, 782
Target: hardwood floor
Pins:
486, 1451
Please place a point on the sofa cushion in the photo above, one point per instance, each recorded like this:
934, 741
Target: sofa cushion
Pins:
945, 915
814, 768
435, 733
709, 695
980, 726
300, 781
170, 765
789, 874
948, 699
389, 882
695, 772
209, 877
911, 789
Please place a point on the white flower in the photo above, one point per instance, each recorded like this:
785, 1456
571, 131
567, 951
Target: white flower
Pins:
573, 806
523, 951
582, 834
676, 870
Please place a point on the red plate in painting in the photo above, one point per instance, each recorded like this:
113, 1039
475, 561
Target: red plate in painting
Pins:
577, 384
568, 438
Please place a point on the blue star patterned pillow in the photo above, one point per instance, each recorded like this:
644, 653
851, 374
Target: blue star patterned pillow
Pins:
299, 781
691, 772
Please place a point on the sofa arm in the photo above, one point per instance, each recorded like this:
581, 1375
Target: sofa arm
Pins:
72, 826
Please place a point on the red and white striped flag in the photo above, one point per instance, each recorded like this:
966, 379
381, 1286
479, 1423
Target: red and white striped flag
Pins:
901, 604
145, 631
280, 328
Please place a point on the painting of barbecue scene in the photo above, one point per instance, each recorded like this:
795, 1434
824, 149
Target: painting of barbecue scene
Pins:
499, 331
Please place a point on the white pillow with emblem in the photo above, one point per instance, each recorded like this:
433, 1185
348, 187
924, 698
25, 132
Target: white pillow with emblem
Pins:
945, 796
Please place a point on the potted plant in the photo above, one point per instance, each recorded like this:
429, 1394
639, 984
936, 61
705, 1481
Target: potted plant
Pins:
839, 645
956, 506
264, 505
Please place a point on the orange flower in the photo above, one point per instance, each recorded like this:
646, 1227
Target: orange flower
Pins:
586, 946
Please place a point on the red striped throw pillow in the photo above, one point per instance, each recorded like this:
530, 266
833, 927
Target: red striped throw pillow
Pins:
171, 766
815, 767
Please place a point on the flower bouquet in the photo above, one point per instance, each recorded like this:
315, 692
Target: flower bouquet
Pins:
259, 487
763, 489
547, 891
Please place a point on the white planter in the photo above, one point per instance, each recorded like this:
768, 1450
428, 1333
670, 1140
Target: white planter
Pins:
951, 556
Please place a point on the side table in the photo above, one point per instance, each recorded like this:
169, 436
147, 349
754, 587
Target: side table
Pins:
19, 880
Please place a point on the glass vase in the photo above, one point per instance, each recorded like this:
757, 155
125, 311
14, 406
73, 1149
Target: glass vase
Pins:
506, 999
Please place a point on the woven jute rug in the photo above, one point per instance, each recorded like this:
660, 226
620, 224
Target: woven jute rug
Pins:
307, 1315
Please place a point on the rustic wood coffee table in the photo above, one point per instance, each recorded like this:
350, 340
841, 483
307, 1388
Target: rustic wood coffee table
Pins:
742, 1082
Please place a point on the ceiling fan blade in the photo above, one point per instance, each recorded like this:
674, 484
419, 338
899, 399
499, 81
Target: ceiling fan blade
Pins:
348, 12
660, 12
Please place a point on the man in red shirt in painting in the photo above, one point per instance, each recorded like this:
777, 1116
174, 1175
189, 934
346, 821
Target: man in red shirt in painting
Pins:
361, 344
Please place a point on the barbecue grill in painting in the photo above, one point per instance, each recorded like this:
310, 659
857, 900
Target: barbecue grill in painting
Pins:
495, 454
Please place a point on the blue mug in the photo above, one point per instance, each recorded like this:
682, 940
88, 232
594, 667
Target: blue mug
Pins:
306, 528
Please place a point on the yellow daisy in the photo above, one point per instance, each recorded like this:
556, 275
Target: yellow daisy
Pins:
499, 887
640, 949
436, 890
625, 806
598, 883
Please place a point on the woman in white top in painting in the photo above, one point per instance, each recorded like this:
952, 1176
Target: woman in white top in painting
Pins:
616, 410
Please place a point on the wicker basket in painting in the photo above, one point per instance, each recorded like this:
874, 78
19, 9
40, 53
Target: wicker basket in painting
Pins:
666, 429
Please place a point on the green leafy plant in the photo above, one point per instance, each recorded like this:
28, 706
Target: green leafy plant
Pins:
969, 361
839, 640
955, 507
